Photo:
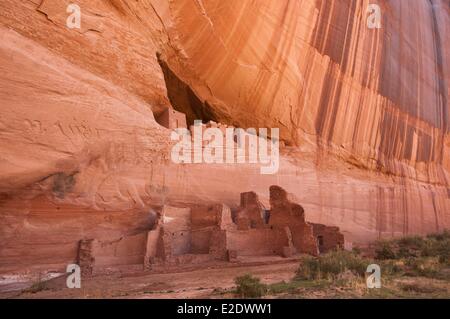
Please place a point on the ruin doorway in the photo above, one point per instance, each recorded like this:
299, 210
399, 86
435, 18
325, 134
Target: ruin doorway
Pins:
320, 244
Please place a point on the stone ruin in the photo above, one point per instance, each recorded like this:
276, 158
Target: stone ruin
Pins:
172, 119
200, 234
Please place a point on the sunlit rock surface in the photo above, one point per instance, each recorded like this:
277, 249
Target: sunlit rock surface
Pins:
364, 113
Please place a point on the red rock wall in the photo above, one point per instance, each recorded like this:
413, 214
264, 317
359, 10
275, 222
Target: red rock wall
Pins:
367, 111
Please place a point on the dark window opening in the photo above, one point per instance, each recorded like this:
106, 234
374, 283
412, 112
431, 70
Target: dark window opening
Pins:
266, 215
320, 240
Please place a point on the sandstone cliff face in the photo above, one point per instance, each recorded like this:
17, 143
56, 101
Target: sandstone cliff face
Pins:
364, 112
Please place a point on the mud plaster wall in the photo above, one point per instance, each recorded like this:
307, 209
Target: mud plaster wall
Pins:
218, 248
177, 230
303, 239
211, 216
172, 119
257, 242
180, 242
207, 223
203, 216
154, 244
330, 237
124, 251
201, 241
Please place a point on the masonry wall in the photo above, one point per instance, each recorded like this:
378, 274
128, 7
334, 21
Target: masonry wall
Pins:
126, 251
303, 239
201, 241
328, 237
218, 248
177, 231
257, 242
172, 119
205, 216
154, 248
208, 224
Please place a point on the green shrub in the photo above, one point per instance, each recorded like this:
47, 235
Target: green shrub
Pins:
405, 252
435, 245
445, 235
428, 248
420, 288
443, 251
250, 287
309, 268
411, 242
385, 251
390, 267
331, 265
284, 287
427, 267
444, 260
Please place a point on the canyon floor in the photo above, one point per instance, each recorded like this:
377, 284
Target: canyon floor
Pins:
218, 281
199, 282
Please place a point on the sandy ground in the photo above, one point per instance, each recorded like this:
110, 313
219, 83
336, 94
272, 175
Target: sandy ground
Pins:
216, 280
208, 282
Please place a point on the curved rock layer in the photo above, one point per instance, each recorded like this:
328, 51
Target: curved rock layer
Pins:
364, 113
